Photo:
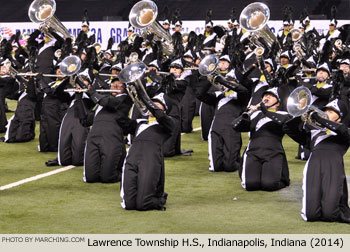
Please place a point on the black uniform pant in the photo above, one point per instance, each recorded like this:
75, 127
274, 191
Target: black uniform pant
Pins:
206, 113
188, 109
71, 141
21, 126
104, 153
50, 123
143, 178
260, 173
325, 192
3, 119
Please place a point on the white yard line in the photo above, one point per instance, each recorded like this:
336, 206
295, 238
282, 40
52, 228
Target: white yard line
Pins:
43, 175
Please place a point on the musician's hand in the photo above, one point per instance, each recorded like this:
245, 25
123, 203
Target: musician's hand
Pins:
91, 91
254, 107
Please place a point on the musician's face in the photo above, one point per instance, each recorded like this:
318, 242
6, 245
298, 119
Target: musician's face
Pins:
178, 28
115, 71
268, 68
345, 68
153, 68
166, 26
118, 86
176, 71
332, 115
84, 28
286, 27
3, 70
270, 100
223, 65
83, 56
284, 61
58, 72
322, 75
331, 27
159, 105
108, 56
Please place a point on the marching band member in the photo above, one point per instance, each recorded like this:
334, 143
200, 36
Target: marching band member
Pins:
105, 148
142, 186
325, 193
264, 166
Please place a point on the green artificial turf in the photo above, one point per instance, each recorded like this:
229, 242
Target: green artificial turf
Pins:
199, 201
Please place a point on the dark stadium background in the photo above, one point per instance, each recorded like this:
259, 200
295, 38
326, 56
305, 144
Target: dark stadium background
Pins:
114, 10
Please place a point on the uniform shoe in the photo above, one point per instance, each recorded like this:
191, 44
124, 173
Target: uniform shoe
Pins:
53, 162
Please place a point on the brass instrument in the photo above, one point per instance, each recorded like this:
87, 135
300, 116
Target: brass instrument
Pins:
338, 44
133, 58
69, 66
296, 34
299, 52
259, 52
253, 19
42, 12
209, 67
131, 76
143, 16
299, 104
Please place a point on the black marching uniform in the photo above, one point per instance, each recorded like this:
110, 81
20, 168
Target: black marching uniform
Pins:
72, 136
264, 165
143, 175
325, 192
21, 126
54, 107
224, 143
105, 148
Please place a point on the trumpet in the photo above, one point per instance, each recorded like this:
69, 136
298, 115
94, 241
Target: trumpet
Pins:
299, 104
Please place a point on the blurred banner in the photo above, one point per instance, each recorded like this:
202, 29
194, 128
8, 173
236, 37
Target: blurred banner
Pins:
118, 30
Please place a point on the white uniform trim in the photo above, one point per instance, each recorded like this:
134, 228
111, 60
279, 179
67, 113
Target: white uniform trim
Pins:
303, 210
